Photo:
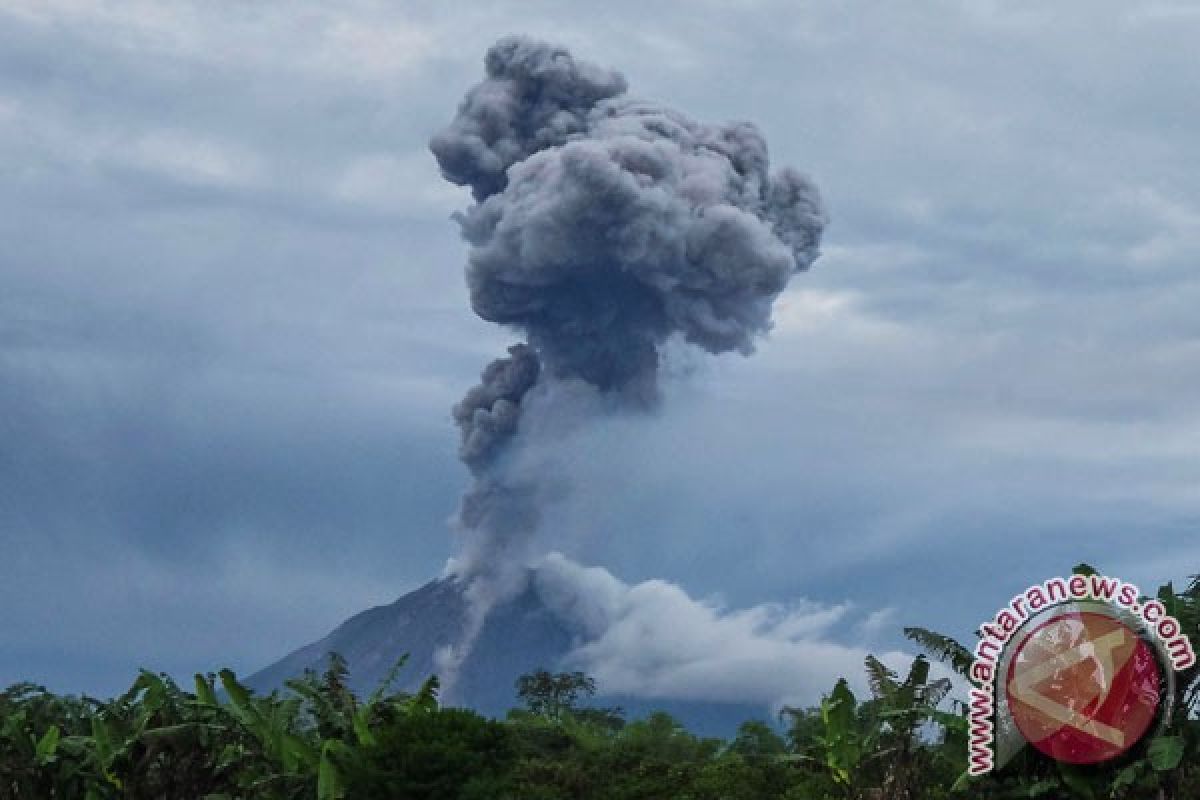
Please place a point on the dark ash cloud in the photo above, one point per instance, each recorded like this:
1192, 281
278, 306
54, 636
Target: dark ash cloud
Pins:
603, 226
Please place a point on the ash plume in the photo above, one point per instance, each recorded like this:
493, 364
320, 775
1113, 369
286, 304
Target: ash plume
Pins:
602, 226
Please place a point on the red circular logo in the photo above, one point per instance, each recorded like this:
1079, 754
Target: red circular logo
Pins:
1083, 687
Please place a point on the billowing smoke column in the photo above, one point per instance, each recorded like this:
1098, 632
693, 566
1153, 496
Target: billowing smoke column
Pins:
602, 226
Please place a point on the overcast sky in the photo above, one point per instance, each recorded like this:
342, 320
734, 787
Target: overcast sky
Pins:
233, 318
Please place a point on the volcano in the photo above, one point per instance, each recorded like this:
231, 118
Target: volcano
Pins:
520, 635
603, 226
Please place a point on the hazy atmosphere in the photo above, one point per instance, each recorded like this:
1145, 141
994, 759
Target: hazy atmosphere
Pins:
234, 322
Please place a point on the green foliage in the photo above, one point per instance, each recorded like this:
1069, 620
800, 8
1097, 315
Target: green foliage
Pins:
439, 754
157, 741
319, 741
554, 694
943, 648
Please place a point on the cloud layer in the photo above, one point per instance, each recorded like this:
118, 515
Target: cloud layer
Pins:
652, 640
232, 317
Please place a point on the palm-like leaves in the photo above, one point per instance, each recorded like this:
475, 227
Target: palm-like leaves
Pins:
912, 698
944, 648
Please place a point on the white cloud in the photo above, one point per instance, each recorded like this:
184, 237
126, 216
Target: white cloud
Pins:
1174, 234
407, 184
379, 49
187, 158
653, 640
375, 44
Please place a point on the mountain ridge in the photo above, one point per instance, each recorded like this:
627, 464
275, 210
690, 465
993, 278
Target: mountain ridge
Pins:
518, 636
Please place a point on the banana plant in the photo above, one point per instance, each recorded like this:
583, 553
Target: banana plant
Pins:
320, 728
843, 744
832, 739
38, 757
903, 708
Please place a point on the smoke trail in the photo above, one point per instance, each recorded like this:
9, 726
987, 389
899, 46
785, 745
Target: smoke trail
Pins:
602, 226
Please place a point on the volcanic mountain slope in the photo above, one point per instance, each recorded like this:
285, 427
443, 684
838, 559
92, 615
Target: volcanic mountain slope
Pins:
519, 636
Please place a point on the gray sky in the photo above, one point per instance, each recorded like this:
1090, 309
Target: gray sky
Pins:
232, 317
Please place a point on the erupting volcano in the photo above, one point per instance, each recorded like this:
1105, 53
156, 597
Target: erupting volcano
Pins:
603, 227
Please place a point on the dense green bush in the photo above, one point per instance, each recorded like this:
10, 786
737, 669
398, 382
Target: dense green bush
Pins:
447, 754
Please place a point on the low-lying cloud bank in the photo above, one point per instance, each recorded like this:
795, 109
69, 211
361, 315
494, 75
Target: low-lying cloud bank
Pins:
653, 640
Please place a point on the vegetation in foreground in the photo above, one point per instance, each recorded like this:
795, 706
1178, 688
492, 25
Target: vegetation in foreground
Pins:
906, 741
